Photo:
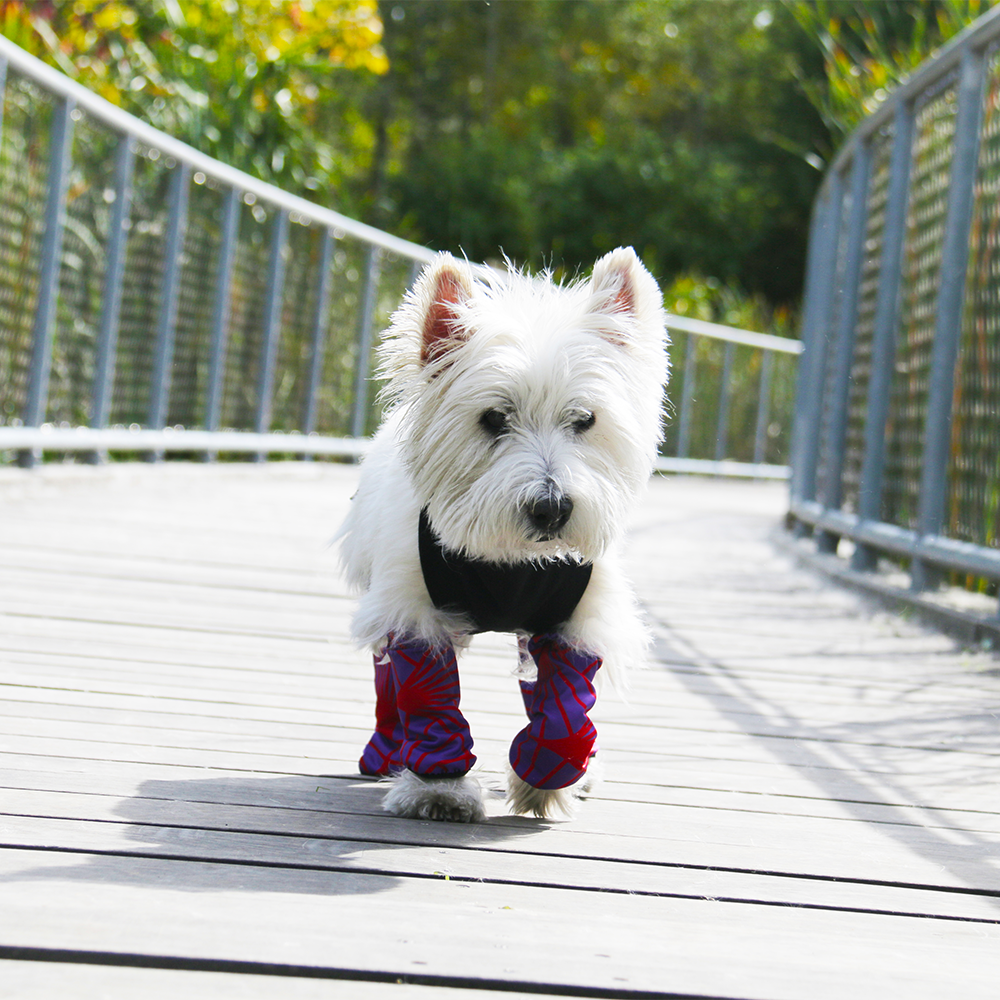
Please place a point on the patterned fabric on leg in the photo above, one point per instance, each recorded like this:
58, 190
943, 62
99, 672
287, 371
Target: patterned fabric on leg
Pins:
382, 754
553, 750
435, 736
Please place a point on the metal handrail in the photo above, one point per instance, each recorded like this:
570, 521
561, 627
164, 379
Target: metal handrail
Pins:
77, 96
851, 234
32, 433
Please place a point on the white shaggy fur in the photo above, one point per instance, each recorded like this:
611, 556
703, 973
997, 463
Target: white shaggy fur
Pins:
548, 803
458, 800
546, 356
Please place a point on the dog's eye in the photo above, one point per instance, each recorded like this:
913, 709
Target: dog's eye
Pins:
494, 422
583, 422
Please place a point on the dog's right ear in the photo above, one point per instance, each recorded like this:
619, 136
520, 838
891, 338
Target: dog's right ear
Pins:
447, 284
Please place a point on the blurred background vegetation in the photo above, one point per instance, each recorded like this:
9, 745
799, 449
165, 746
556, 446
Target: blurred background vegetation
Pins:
548, 130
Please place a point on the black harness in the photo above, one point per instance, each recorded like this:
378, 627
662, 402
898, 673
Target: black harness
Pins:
501, 597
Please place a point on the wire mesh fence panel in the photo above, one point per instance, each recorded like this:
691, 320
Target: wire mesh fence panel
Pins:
932, 154
24, 168
395, 273
864, 326
824, 471
89, 199
249, 290
738, 434
974, 467
778, 431
709, 362
302, 276
141, 287
195, 300
336, 389
671, 445
746, 370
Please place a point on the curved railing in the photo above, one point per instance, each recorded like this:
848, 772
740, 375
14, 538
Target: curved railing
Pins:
897, 426
219, 301
154, 300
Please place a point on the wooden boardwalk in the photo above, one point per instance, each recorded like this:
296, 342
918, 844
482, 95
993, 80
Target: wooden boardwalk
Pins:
801, 798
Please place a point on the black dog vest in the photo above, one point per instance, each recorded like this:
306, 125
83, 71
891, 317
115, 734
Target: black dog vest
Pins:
501, 597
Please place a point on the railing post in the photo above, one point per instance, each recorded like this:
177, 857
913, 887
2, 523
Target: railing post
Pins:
950, 303
48, 284
885, 330
810, 295
319, 326
163, 359
221, 310
843, 342
272, 324
111, 295
687, 397
725, 394
816, 333
366, 317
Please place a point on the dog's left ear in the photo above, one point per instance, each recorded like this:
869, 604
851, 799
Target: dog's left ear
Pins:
624, 290
447, 284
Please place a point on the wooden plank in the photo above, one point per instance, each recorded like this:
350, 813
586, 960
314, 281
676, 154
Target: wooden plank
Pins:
515, 934
222, 834
43, 980
716, 790
887, 852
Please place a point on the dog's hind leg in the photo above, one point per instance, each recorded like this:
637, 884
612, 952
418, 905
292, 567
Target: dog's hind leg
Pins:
550, 756
435, 750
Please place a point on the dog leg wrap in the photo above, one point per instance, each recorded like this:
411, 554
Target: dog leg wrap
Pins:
381, 755
434, 738
553, 750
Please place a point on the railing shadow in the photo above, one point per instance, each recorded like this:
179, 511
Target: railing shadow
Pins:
862, 764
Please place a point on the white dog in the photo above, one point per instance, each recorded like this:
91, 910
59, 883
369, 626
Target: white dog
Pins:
524, 422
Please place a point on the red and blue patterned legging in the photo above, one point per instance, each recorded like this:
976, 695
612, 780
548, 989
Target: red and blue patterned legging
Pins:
554, 749
419, 725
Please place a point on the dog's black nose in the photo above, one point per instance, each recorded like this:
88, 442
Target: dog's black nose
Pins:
549, 514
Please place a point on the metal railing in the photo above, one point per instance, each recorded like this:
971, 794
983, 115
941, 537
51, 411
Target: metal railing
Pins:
153, 300
897, 425
742, 384
147, 289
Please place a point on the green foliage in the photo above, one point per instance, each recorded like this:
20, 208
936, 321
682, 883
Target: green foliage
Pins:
708, 299
250, 82
870, 46
556, 131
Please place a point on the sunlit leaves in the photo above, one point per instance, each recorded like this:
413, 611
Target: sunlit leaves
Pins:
870, 46
247, 81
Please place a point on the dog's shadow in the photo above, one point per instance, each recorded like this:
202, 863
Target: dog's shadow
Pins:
323, 835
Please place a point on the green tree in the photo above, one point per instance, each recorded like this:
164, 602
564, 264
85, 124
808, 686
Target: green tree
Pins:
870, 46
557, 128
251, 82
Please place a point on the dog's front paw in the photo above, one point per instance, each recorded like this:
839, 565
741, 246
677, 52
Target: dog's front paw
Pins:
545, 803
453, 799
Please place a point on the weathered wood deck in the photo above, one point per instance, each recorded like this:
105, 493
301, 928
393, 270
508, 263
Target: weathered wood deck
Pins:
800, 800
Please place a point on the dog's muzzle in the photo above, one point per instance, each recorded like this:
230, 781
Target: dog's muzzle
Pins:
547, 514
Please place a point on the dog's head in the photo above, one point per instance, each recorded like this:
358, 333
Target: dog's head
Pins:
530, 411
